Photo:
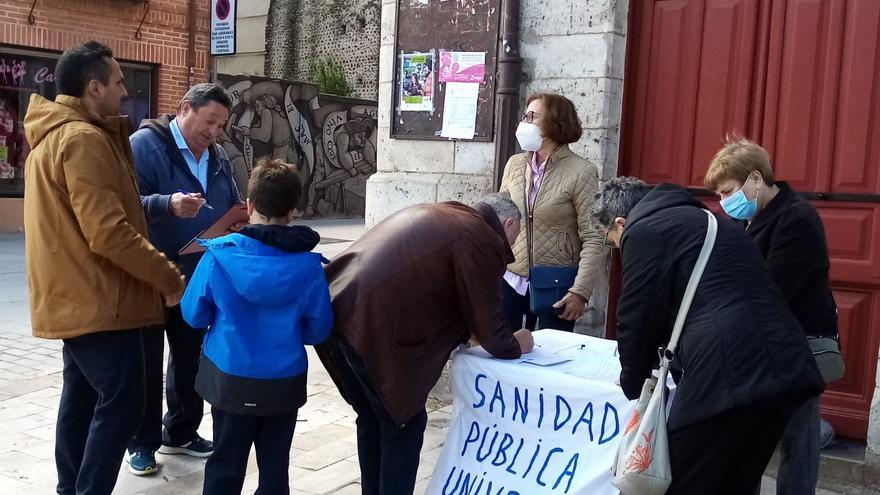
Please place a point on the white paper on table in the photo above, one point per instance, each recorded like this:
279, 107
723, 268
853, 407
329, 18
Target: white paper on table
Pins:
460, 110
544, 357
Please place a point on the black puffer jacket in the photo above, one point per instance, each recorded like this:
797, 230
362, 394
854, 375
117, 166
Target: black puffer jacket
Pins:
740, 343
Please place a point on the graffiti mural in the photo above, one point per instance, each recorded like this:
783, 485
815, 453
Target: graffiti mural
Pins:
331, 140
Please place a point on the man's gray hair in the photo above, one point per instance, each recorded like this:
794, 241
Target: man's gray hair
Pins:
616, 198
503, 206
204, 93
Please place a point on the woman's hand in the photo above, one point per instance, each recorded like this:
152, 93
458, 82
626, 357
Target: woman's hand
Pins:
572, 306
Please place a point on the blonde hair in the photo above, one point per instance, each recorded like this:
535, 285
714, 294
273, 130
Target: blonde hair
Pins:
736, 160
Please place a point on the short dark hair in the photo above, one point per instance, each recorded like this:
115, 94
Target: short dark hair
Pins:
80, 64
204, 93
616, 198
274, 188
561, 122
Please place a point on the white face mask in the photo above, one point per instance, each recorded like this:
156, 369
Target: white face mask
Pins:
529, 136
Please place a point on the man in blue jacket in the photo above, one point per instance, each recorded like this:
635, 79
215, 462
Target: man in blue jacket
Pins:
186, 183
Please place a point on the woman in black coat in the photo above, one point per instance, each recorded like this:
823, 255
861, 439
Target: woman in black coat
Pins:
789, 233
742, 362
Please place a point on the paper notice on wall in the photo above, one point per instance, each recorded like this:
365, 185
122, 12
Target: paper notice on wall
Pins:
460, 110
417, 82
462, 66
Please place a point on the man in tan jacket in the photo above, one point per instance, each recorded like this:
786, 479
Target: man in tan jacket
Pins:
95, 280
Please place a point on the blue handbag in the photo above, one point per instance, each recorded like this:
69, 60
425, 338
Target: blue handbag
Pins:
547, 284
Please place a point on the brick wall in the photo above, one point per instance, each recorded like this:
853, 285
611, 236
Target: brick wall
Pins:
63, 23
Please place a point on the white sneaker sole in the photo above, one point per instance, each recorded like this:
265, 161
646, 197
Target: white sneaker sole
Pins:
168, 450
145, 472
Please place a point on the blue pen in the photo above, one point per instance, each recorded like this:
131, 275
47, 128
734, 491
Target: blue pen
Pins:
206, 205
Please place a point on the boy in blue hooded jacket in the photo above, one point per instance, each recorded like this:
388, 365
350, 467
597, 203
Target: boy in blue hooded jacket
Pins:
263, 295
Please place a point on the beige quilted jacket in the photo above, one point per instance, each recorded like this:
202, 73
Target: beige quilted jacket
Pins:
563, 230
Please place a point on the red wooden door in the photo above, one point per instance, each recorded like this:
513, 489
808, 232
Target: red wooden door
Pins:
802, 77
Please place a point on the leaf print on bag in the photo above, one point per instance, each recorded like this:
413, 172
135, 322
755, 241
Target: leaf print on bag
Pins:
640, 459
634, 422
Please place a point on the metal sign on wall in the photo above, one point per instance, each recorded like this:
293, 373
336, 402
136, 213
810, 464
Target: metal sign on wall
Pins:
223, 27
444, 71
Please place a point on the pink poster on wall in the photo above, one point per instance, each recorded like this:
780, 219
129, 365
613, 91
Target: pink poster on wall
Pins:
467, 67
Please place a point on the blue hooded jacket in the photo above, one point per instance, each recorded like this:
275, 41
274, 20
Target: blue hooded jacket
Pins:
263, 296
162, 171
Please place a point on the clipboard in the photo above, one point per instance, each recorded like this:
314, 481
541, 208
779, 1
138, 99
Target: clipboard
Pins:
237, 214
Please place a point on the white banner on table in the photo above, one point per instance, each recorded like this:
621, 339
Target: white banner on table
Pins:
521, 429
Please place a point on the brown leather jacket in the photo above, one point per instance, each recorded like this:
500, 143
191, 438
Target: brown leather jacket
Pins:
563, 230
90, 265
416, 286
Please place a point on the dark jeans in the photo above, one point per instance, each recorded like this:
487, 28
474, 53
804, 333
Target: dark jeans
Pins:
185, 407
233, 436
388, 453
727, 454
799, 462
102, 401
515, 306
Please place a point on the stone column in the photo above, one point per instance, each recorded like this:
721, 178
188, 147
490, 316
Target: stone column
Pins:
873, 441
577, 49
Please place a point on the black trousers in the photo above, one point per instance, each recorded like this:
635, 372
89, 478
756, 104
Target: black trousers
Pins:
515, 306
727, 454
233, 436
388, 453
185, 407
102, 401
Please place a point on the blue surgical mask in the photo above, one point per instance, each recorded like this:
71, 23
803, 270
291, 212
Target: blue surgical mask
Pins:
738, 206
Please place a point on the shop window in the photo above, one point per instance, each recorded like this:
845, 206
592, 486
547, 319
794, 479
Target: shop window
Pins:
24, 72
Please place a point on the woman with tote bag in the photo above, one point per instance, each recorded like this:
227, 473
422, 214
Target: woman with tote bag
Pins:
742, 364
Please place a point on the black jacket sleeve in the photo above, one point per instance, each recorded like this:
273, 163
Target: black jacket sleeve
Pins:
795, 251
642, 317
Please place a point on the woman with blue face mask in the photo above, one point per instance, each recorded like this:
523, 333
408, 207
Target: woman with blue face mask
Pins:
554, 189
790, 236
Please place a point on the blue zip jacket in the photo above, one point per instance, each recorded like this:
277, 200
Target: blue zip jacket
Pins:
162, 171
263, 296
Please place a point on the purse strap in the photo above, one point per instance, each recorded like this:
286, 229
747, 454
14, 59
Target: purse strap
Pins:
528, 215
691, 289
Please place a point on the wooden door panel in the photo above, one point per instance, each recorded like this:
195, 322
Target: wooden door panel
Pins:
856, 164
802, 77
802, 87
666, 89
695, 84
853, 233
848, 401
727, 63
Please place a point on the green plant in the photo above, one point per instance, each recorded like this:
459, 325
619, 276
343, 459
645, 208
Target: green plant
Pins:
330, 77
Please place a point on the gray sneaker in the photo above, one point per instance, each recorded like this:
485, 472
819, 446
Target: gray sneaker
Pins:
198, 447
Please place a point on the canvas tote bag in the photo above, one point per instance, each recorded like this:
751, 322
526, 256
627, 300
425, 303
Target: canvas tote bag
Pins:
642, 465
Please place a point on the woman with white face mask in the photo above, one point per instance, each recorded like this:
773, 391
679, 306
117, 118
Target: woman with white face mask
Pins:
554, 188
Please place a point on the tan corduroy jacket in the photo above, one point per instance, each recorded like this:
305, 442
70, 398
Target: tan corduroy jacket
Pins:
90, 266
563, 231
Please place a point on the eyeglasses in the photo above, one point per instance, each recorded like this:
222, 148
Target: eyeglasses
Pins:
529, 117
